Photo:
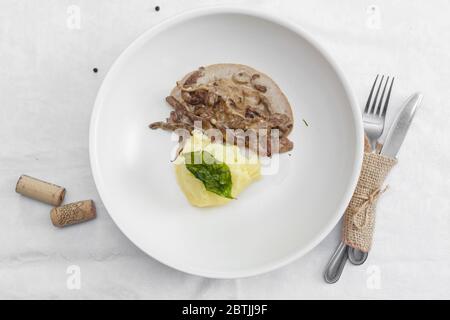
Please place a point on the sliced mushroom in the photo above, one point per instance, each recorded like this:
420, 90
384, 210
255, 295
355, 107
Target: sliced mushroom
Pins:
256, 83
192, 79
260, 88
251, 97
241, 77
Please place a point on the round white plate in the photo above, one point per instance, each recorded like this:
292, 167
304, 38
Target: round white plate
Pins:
277, 219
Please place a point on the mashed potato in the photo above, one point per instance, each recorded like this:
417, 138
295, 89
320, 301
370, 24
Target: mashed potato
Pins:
244, 170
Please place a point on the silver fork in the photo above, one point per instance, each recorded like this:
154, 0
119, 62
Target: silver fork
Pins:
374, 117
375, 111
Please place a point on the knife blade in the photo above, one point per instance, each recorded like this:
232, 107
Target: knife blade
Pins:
400, 126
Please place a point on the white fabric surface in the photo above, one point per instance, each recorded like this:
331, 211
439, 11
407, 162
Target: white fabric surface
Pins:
47, 91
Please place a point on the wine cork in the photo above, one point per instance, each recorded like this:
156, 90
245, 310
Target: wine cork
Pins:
40, 190
73, 213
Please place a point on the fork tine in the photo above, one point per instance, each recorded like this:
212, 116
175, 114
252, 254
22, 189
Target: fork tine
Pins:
374, 103
366, 109
383, 114
382, 96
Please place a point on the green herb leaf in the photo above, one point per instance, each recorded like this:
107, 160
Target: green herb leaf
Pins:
215, 175
306, 123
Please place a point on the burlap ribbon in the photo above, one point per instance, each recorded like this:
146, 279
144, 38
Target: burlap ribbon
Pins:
359, 219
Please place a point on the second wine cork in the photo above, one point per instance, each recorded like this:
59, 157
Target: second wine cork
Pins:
40, 190
73, 213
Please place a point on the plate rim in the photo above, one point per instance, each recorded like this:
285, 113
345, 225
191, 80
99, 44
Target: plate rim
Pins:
261, 14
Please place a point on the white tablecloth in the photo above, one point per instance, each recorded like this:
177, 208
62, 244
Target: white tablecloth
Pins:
47, 91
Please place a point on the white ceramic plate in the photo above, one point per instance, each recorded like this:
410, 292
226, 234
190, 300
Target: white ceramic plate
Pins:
277, 219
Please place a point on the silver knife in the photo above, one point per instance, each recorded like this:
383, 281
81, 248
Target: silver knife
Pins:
400, 126
392, 144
